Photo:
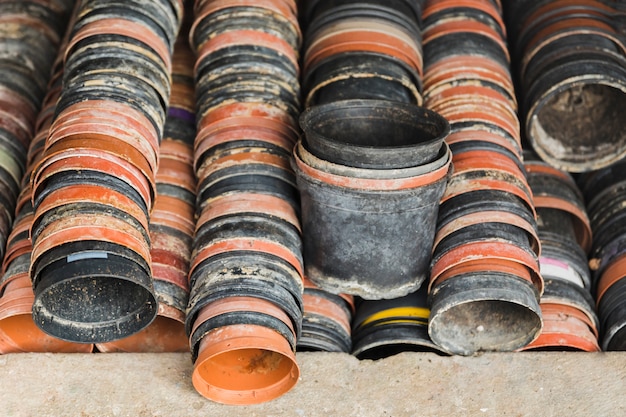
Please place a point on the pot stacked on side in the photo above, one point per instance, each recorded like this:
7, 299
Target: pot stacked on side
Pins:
605, 195
95, 185
326, 320
362, 49
30, 34
485, 282
370, 175
172, 220
18, 331
246, 275
569, 317
571, 60
383, 328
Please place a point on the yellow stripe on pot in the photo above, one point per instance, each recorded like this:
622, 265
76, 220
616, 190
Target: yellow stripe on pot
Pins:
417, 312
402, 321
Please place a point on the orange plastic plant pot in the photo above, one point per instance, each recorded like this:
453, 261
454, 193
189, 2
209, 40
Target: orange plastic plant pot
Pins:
162, 335
244, 364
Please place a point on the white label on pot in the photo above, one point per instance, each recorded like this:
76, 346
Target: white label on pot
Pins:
86, 255
556, 269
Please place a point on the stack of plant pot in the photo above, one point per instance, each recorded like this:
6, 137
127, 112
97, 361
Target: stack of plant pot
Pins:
605, 195
367, 170
568, 309
360, 49
571, 61
386, 327
246, 274
18, 332
326, 320
30, 35
172, 219
366, 49
95, 185
485, 281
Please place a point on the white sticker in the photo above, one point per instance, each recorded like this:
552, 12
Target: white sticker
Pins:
86, 255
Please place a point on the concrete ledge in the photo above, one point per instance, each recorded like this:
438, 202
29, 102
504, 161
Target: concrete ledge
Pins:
409, 384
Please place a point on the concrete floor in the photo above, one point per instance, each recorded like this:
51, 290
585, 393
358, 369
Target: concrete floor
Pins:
408, 384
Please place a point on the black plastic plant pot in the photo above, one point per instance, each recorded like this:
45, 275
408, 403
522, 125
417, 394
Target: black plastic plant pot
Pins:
569, 48
486, 311
239, 317
483, 232
593, 184
87, 177
382, 328
413, 306
87, 249
465, 13
159, 16
249, 225
614, 337
179, 128
246, 18
556, 222
374, 134
558, 291
232, 280
23, 81
203, 295
381, 342
612, 300
365, 12
474, 202
171, 295
568, 258
572, 114
361, 75
253, 84
464, 43
238, 144
243, 178
372, 242
320, 334
410, 9
118, 88
94, 299
236, 57
325, 323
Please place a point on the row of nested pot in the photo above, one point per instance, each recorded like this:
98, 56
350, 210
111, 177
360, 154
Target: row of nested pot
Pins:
571, 64
94, 188
29, 39
605, 194
570, 321
485, 281
355, 50
18, 331
246, 274
362, 49
172, 220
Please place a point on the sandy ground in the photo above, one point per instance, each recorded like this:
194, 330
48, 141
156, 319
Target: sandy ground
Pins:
409, 384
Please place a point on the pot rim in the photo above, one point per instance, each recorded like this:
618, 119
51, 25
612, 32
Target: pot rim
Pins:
248, 340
